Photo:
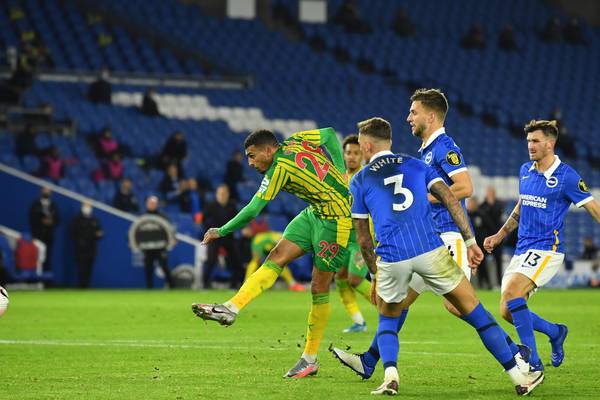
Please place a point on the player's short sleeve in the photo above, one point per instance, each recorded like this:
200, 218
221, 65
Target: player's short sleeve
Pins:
450, 159
359, 208
275, 178
576, 190
431, 176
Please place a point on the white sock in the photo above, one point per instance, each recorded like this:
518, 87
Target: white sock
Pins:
358, 318
231, 307
311, 358
516, 376
391, 374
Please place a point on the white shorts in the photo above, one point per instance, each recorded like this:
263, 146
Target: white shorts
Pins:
437, 269
456, 245
538, 265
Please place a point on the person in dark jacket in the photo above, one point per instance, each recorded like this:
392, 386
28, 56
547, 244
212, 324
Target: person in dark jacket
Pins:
43, 218
149, 104
85, 232
234, 173
100, 91
174, 151
480, 228
217, 213
158, 255
492, 210
124, 198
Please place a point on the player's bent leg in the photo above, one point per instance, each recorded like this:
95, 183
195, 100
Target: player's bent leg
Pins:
360, 285
349, 301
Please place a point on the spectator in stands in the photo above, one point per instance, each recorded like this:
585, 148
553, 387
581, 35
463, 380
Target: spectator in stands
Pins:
52, 165
113, 168
590, 250
169, 186
403, 25
348, 17
474, 39
189, 200
492, 211
506, 39
217, 213
573, 32
159, 255
234, 173
174, 151
566, 142
85, 233
100, 91
22, 76
25, 144
478, 220
43, 219
106, 144
124, 198
552, 31
149, 104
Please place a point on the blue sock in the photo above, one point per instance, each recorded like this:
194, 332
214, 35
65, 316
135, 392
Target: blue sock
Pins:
371, 357
491, 335
541, 325
523, 323
387, 340
514, 349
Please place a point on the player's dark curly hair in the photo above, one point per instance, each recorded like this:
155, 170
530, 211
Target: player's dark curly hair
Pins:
350, 139
550, 128
260, 137
376, 127
433, 99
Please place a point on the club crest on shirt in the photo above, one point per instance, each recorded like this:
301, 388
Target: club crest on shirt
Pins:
583, 187
428, 158
551, 182
453, 158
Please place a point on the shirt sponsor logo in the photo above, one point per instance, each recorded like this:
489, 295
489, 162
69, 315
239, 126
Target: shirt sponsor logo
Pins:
453, 158
533, 201
552, 182
583, 187
428, 157
264, 185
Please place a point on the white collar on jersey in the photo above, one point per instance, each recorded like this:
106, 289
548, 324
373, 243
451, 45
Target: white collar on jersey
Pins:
381, 153
550, 170
433, 136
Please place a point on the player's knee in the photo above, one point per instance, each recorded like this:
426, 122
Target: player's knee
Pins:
342, 274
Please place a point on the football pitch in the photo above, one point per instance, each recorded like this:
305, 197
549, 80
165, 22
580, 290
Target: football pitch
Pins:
148, 345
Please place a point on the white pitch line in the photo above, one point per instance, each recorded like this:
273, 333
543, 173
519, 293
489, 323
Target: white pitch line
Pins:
158, 344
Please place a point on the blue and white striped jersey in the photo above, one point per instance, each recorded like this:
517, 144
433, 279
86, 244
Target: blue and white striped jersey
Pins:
442, 154
545, 199
393, 188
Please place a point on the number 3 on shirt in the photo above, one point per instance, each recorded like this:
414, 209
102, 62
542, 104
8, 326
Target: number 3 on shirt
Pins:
398, 189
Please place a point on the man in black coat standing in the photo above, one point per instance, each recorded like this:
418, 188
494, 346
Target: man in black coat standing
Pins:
218, 213
85, 231
155, 255
492, 210
43, 218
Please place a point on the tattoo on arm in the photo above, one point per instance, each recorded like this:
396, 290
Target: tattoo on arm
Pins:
365, 241
441, 192
513, 221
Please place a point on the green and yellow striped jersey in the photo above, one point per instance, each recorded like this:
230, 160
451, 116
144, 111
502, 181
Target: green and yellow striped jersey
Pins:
301, 167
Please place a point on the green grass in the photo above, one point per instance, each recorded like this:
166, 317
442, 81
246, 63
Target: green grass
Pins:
148, 345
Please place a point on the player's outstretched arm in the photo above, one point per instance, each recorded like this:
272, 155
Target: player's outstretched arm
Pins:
245, 215
593, 208
490, 242
330, 141
442, 192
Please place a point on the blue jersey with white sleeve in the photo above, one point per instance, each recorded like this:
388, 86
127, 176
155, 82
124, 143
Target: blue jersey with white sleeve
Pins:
545, 199
393, 189
442, 154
